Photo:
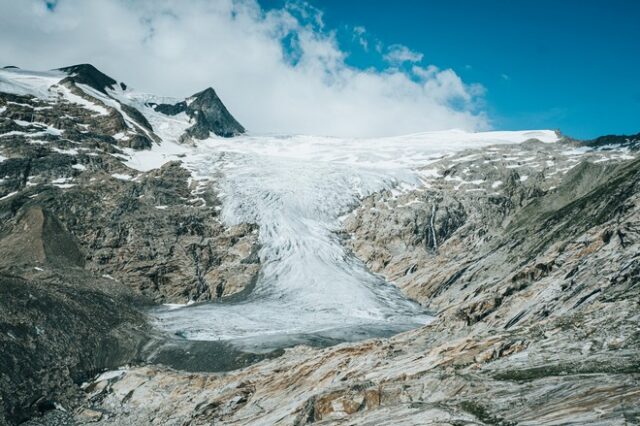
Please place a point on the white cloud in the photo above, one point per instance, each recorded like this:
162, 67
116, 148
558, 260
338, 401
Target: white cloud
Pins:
359, 35
178, 48
397, 54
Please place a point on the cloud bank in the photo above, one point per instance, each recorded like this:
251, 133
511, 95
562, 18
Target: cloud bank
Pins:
278, 71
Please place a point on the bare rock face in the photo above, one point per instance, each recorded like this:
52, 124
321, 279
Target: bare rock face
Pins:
534, 278
208, 112
89, 75
88, 245
40, 238
59, 324
146, 229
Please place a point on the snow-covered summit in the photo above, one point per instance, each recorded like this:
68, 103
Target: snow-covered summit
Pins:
204, 113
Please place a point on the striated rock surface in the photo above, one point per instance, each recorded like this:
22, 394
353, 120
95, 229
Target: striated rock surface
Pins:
528, 254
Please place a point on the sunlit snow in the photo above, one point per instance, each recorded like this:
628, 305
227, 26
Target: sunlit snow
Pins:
296, 188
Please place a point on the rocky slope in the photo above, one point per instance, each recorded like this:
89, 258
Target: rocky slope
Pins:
87, 244
158, 231
528, 254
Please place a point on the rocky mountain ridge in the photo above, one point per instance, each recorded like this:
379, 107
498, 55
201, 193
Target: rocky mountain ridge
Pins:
526, 253
83, 231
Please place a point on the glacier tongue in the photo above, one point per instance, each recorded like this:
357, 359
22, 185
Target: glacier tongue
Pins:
295, 188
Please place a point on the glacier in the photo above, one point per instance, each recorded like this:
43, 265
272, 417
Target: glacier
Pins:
296, 188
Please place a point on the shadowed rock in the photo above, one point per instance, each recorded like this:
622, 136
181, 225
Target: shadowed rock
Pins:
40, 238
209, 113
630, 141
89, 75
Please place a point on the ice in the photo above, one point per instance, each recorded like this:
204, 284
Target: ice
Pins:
296, 189
29, 83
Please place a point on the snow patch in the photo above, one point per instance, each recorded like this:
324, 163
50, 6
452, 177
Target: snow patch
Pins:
9, 195
108, 375
79, 100
70, 151
63, 182
121, 176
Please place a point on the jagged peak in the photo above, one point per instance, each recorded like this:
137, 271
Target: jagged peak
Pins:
208, 92
207, 96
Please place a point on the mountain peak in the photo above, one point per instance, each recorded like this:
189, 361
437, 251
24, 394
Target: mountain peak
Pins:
91, 76
206, 93
209, 113
211, 116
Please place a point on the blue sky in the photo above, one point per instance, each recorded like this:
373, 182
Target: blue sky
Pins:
572, 65
357, 68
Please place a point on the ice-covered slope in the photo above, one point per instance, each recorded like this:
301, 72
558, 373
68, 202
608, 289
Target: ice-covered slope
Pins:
296, 188
33, 83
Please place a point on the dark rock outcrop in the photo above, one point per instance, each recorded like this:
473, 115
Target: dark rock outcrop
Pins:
59, 324
208, 112
89, 75
630, 141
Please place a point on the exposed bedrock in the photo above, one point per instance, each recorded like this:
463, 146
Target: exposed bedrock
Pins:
534, 275
87, 245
